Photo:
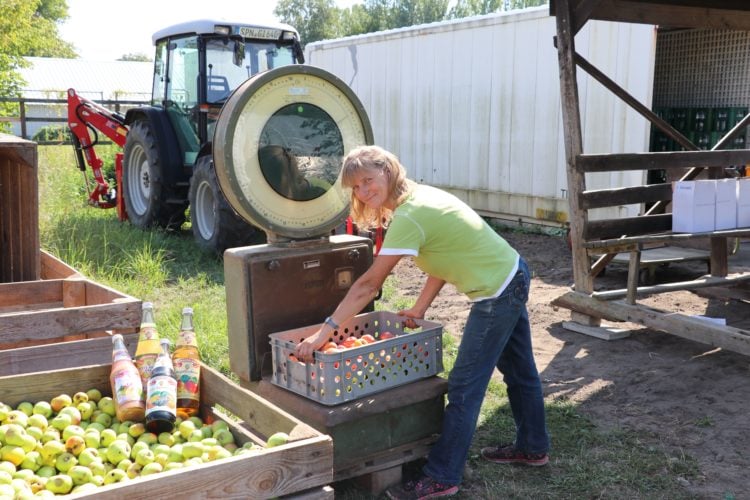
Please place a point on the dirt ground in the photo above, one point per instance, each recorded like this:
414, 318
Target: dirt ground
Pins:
684, 396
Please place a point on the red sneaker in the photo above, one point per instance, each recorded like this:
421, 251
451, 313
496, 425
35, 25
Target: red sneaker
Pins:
423, 488
508, 454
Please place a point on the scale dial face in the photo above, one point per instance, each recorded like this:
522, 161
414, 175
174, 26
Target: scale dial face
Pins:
279, 144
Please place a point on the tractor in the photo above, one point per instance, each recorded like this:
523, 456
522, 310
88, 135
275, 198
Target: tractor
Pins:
166, 164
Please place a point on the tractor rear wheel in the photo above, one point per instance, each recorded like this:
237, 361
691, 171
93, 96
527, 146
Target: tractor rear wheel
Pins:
216, 226
148, 201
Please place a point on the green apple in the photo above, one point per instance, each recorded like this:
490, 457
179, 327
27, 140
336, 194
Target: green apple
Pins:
75, 414
4, 410
145, 456
196, 435
125, 464
98, 468
107, 437
60, 484
177, 437
80, 397
231, 447
37, 484
51, 434
277, 439
186, 428
209, 442
94, 395
134, 470
217, 452
166, 438
17, 417
60, 402
173, 466
7, 491
86, 409
161, 458
83, 488
148, 438
118, 451
138, 446
24, 474
52, 449
192, 449
206, 431
224, 436
80, 474
95, 426
61, 421
7, 467
26, 407
13, 434
73, 430
107, 405
92, 438
115, 476
5, 477
175, 453
124, 427
219, 424
190, 462
124, 436
152, 468
196, 421
42, 408
159, 448
137, 429
13, 454
39, 421
65, 461
98, 479
46, 471
32, 461
88, 455
103, 419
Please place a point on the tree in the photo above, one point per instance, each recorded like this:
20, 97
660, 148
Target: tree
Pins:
137, 56
28, 28
314, 19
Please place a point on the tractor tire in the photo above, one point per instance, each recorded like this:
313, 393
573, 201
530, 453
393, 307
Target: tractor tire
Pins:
216, 226
148, 201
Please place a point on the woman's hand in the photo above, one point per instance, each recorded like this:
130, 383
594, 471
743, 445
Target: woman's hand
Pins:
410, 315
305, 349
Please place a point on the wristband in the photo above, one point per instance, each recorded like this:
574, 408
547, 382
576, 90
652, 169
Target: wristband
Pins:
329, 321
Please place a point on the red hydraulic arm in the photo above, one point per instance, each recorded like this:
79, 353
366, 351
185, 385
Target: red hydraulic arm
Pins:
85, 118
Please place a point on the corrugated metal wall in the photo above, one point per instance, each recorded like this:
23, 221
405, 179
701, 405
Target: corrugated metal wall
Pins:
473, 106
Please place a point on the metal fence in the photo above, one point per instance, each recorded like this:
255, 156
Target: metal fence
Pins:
32, 114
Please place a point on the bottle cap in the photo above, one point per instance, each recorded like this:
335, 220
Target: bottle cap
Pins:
187, 310
147, 305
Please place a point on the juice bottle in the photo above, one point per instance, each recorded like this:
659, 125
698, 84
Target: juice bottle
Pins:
187, 367
127, 390
161, 398
148, 348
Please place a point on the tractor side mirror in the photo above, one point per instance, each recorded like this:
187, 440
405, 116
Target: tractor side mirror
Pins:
238, 57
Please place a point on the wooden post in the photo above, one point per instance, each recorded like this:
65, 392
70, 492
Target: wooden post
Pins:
573, 147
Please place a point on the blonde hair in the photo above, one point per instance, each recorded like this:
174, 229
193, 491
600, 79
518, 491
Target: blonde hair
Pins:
399, 187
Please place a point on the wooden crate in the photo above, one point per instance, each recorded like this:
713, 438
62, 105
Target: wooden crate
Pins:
299, 468
46, 311
19, 210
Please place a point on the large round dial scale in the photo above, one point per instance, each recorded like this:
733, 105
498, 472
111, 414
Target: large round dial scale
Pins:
279, 143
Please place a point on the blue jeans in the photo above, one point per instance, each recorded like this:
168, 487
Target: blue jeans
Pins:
497, 334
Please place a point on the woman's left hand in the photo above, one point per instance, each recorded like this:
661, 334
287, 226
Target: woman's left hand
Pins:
411, 314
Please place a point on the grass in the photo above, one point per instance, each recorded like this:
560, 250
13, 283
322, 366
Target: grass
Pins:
169, 270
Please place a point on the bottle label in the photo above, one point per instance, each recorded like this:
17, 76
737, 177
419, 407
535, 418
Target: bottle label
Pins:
187, 337
162, 395
188, 372
127, 386
120, 355
148, 332
145, 365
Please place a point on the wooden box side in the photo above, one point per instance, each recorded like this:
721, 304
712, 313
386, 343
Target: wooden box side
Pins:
19, 210
296, 466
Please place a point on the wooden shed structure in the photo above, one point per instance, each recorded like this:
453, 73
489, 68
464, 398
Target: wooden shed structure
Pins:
600, 240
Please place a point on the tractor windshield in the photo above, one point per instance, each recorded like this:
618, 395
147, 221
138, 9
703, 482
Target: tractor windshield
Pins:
224, 74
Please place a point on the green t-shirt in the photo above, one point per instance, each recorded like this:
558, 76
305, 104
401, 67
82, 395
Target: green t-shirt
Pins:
450, 241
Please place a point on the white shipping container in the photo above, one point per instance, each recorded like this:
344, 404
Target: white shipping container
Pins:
473, 105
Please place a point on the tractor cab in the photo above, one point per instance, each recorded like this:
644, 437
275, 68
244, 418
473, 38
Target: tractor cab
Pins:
198, 64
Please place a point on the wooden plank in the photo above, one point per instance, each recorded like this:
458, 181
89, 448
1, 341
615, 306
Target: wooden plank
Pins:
573, 140
706, 281
662, 160
61, 355
74, 293
695, 329
54, 268
638, 225
28, 293
581, 13
255, 411
625, 196
719, 257
600, 332
625, 243
634, 268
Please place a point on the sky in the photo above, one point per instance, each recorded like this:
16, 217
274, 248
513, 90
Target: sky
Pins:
105, 30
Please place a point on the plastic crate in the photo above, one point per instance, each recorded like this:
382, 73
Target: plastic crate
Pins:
359, 371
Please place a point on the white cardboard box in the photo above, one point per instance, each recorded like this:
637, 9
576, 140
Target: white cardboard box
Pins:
693, 206
743, 202
726, 204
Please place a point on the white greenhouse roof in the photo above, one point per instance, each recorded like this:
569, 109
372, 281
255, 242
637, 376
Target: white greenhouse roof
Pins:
51, 77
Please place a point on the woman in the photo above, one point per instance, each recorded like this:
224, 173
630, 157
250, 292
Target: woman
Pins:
451, 243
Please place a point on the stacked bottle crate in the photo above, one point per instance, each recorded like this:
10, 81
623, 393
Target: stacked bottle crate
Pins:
703, 126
